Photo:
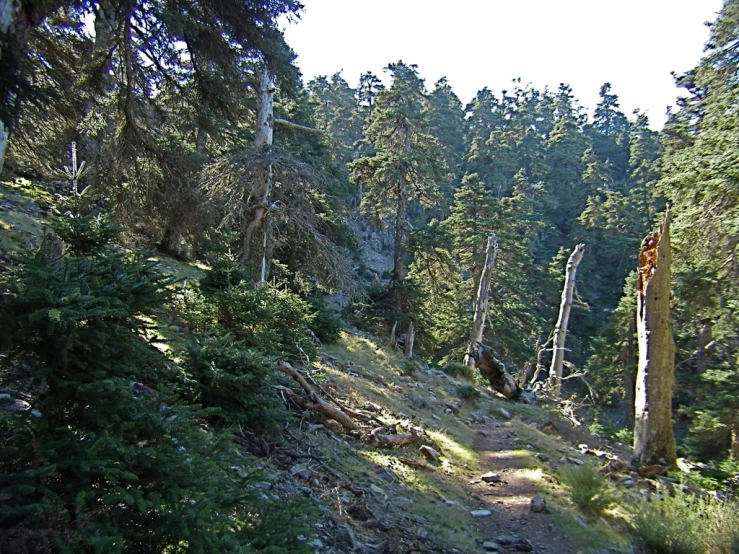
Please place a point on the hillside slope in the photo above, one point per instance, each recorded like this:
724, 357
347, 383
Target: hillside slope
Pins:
477, 496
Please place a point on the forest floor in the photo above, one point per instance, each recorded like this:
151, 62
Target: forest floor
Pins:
497, 456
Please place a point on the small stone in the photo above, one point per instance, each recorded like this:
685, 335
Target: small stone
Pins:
316, 543
541, 457
430, 453
372, 407
437, 418
481, 513
490, 546
538, 504
422, 534
491, 478
505, 413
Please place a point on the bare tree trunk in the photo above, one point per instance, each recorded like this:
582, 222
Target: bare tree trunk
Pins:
393, 340
262, 182
560, 330
654, 440
482, 299
8, 16
410, 337
629, 375
735, 439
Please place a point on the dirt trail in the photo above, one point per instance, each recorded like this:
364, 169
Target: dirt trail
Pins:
510, 498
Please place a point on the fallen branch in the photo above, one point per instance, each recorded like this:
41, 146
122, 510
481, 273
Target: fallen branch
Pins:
415, 463
315, 402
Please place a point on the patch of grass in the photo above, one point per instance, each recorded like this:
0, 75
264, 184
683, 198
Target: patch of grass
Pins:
468, 392
597, 536
687, 524
588, 488
453, 448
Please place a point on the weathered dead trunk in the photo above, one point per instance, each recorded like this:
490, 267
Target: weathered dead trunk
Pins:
495, 372
735, 439
262, 179
654, 440
393, 341
629, 375
482, 299
8, 32
410, 338
560, 330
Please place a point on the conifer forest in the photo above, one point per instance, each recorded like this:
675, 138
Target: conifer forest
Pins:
242, 311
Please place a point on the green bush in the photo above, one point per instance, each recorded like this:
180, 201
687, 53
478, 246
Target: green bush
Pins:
327, 325
227, 375
588, 489
107, 457
468, 392
458, 369
687, 524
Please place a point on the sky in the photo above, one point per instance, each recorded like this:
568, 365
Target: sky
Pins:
633, 44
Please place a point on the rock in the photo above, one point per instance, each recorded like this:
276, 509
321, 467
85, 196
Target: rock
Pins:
301, 471
538, 504
505, 413
568, 460
372, 407
316, 543
541, 457
437, 418
422, 534
626, 482
430, 453
481, 513
518, 543
346, 537
490, 546
491, 478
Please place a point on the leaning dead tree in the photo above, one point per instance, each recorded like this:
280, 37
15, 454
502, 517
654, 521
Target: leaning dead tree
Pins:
494, 371
482, 299
560, 330
654, 439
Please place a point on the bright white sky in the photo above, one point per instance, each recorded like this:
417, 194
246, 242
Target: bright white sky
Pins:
633, 44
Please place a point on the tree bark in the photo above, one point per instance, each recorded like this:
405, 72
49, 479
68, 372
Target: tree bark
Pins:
654, 440
560, 330
735, 439
410, 338
8, 20
482, 299
495, 372
629, 375
262, 180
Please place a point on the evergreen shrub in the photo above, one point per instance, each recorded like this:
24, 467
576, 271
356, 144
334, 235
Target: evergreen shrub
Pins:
101, 454
588, 488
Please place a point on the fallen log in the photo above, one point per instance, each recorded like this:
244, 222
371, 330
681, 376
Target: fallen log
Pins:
314, 402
